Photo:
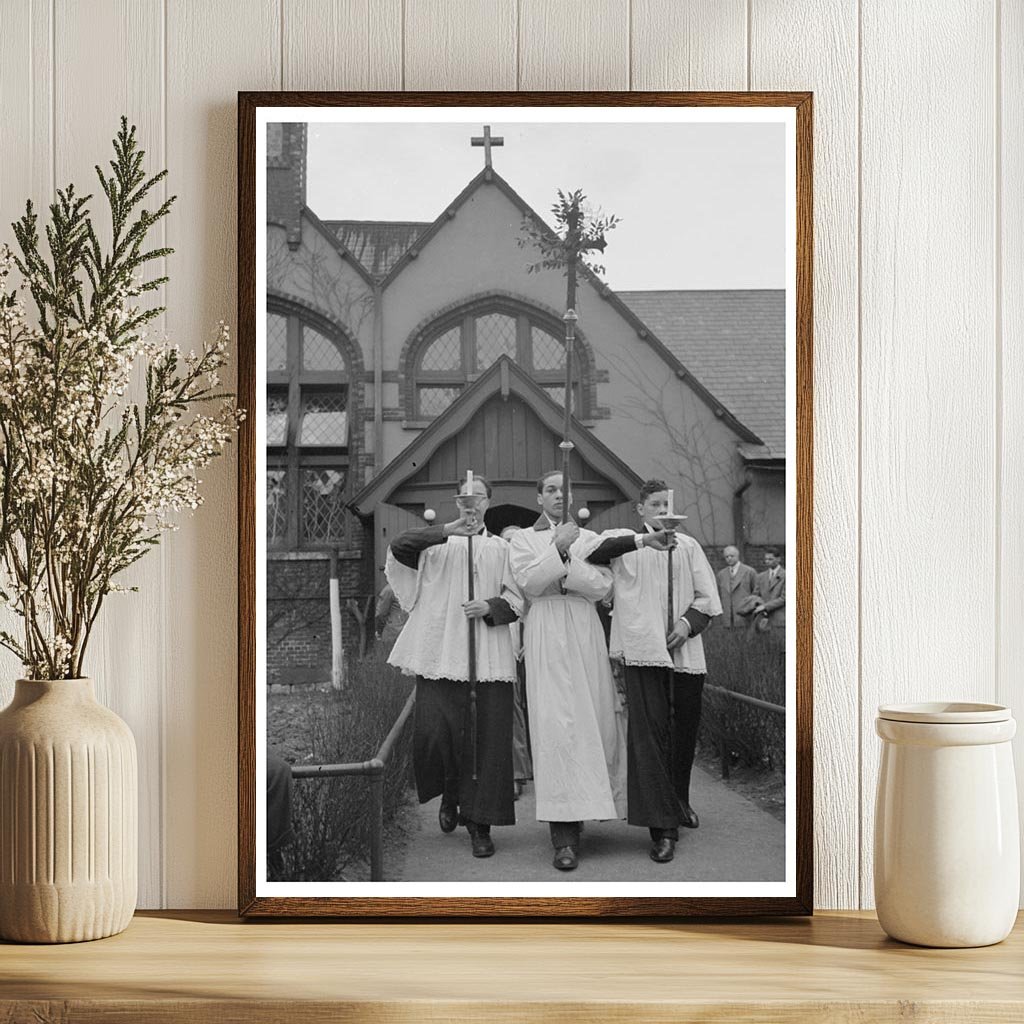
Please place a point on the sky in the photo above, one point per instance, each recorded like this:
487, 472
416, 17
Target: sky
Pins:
701, 205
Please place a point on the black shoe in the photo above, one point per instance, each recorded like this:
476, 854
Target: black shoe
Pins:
566, 859
663, 850
480, 837
448, 815
688, 816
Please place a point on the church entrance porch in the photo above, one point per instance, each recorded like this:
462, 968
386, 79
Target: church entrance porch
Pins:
507, 428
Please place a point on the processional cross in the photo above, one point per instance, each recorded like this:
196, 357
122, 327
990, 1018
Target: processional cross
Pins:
487, 141
574, 247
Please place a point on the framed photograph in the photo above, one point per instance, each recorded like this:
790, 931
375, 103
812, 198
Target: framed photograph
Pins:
525, 504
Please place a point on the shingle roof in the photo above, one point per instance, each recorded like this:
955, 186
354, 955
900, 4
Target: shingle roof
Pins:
377, 244
734, 343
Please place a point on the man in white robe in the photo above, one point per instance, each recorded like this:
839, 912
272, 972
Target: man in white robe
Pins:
428, 569
664, 668
577, 733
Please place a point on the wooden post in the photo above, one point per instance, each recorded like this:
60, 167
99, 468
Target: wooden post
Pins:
337, 652
671, 671
569, 319
376, 823
472, 666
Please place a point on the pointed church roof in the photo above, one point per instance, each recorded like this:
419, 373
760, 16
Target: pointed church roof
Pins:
377, 244
735, 343
502, 377
380, 242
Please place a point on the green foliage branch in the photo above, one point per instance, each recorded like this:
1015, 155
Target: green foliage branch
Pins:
89, 477
579, 229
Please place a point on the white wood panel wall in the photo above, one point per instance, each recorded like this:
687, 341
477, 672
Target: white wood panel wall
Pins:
919, 316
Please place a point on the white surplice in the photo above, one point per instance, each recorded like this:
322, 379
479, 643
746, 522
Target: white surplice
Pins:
640, 615
577, 728
434, 643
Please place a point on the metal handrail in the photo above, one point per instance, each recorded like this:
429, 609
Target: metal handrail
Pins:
756, 702
374, 769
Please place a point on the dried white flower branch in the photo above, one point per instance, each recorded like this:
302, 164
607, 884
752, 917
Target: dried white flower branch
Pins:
89, 478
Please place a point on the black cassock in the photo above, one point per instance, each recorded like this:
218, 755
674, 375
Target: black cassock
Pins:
442, 737
656, 782
658, 765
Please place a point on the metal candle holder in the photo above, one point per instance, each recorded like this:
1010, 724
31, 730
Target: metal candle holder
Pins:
470, 503
671, 523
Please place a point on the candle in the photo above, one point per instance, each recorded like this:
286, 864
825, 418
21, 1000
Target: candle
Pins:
670, 503
469, 481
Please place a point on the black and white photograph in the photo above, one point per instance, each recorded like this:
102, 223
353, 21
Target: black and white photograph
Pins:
525, 502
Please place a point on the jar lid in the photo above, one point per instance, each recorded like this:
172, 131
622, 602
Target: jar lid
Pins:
945, 713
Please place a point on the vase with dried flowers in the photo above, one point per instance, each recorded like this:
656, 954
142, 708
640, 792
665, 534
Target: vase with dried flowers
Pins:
103, 432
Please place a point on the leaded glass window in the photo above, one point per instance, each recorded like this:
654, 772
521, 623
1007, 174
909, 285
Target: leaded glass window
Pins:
445, 353
307, 427
323, 505
434, 401
548, 351
463, 347
277, 417
277, 505
320, 353
324, 419
495, 337
277, 342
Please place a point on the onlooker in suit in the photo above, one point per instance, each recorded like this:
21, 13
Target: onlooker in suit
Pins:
735, 584
770, 590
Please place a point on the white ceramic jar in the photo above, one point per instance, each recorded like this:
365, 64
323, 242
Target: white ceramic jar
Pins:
947, 846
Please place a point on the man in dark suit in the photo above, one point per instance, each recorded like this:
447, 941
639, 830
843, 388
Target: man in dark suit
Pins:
735, 585
770, 590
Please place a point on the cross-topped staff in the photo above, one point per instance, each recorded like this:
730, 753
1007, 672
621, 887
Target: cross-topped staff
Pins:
486, 141
671, 522
470, 502
584, 232
575, 246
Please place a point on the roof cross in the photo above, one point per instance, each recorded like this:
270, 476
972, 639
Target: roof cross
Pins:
486, 141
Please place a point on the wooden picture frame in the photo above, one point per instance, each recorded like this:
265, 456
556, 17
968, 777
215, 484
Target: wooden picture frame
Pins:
798, 900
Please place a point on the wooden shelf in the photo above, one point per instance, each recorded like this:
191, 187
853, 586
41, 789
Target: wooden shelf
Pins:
209, 966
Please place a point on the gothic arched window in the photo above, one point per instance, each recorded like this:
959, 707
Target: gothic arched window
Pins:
456, 350
307, 434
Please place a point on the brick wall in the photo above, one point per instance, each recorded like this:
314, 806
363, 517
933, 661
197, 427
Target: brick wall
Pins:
298, 611
286, 182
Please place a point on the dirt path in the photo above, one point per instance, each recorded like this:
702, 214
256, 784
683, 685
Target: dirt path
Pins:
736, 842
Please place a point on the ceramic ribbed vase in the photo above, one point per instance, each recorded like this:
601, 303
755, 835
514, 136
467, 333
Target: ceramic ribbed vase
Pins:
68, 815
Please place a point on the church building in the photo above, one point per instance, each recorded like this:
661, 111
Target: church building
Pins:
400, 354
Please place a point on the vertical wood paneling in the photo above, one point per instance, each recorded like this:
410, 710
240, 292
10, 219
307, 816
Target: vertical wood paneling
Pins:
574, 44
213, 51
122, 657
928, 516
342, 44
800, 45
689, 44
26, 106
934, 243
460, 44
26, 171
1010, 179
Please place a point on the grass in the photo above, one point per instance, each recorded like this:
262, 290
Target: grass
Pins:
330, 817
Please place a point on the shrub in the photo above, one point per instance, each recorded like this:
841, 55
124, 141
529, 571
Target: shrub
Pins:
754, 666
331, 817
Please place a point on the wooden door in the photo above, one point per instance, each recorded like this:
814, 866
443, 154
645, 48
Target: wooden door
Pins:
618, 517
